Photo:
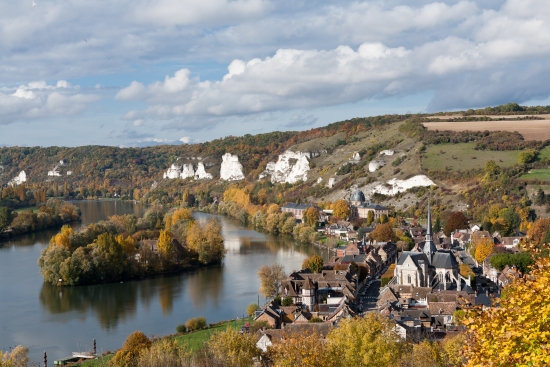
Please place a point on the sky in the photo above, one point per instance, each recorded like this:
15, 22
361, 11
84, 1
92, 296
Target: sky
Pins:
143, 72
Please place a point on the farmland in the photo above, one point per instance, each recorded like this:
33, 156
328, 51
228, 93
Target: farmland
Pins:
463, 156
530, 129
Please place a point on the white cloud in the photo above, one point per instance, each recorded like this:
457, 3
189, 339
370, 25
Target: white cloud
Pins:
39, 100
185, 139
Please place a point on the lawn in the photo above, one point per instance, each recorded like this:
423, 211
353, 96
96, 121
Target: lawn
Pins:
34, 209
194, 340
537, 174
463, 157
544, 153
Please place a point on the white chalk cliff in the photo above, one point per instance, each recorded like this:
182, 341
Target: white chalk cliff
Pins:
19, 179
231, 169
187, 171
395, 186
374, 165
291, 167
172, 172
355, 158
200, 173
54, 172
387, 152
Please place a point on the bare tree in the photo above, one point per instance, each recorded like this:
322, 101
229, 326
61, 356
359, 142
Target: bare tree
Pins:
271, 278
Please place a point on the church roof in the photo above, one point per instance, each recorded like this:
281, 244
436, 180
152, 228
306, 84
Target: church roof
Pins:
415, 256
444, 260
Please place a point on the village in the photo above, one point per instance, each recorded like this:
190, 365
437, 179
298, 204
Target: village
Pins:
425, 290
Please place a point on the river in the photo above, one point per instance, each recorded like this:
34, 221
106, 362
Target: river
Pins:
63, 320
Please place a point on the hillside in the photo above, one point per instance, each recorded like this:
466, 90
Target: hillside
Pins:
392, 158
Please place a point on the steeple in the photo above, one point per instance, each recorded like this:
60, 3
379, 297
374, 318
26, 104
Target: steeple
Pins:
429, 246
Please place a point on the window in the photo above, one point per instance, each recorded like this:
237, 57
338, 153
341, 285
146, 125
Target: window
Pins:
409, 279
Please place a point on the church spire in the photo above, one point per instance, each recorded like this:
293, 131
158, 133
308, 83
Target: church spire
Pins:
429, 246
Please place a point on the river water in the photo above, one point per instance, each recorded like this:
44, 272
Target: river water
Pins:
63, 320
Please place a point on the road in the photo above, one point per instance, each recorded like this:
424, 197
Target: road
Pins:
371, 295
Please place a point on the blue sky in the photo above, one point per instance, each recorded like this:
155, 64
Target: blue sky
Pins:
137, 73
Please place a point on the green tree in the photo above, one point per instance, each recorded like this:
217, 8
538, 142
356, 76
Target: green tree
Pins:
491, 168
6, 217
370, 217
383, 218
527, 156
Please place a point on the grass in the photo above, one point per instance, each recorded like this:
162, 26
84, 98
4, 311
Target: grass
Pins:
544, 153
196, 339
34, 209
463, 157
537, 174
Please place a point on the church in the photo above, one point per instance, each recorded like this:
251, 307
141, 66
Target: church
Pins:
429, 267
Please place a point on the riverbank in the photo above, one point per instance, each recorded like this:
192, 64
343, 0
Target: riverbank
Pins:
194, 340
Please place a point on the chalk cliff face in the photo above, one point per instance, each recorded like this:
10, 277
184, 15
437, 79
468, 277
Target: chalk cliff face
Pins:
291, 167
374, 165
187, 171
231, 169
54, 172
19, 179
173, 172
395, 186
201, 174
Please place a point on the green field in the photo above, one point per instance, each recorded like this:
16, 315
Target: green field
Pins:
463, 157
194, 340
544, 153
34, 209
537, 174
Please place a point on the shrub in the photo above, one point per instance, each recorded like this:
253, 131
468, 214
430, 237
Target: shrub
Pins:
315, 319
134, 344
181, 328
287, 301
196, 323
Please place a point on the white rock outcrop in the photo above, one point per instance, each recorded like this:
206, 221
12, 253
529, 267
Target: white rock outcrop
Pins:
187, 171
19, 179
387, 152
54, 172
201, 174
69, 173
375, 165
291, 167
331, 182
231, 169
172, 172
319, 180
395, 186
355, 158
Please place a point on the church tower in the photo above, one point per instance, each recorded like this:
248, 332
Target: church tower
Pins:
429, 246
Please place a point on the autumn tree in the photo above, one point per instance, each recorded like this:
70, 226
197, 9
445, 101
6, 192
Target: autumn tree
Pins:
63, 237
383, 233
300, 349
539, 233
311, 216
341, 209
16, 357
165, 246
483, 248
457, 220
370, 341
315, 264
370, 217
251, 309
271, 278
234, 349
206, 241
128, 355
6, 217
516, 332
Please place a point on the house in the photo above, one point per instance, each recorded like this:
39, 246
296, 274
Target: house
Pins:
350, 249
270, 315
296, 210
360, 208
268, 337
507, 275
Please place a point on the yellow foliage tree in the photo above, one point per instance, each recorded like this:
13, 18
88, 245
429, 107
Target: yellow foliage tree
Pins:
517, 332
310, 216
62, 238
484, 247
370, 341
299, 349
341, 209
233, 349
165, 245
127, 244
180, 214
